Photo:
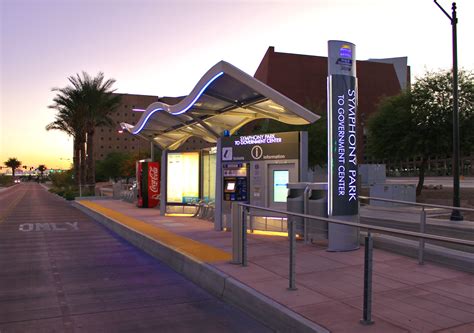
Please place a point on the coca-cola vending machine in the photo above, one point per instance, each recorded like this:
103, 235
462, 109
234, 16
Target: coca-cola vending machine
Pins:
148, 184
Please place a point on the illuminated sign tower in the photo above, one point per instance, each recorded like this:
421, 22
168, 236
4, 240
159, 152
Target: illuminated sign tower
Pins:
342, 160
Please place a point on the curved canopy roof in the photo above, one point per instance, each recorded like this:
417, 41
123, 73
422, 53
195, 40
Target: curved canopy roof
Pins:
225, 98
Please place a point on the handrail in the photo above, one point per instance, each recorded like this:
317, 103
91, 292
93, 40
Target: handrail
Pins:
239, 251
417, 204
366, 226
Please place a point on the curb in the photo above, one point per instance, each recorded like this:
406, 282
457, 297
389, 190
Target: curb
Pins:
219, 284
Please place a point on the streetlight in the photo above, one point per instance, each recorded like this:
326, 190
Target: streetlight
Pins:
456, 214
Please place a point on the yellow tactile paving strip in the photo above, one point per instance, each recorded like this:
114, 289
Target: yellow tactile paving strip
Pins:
190, 247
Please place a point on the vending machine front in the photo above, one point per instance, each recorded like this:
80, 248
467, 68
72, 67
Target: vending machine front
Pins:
148, 184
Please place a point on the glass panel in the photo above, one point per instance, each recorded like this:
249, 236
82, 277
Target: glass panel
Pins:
183, 177
280, 182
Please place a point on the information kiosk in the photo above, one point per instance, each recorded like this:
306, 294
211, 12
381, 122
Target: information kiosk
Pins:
256, 169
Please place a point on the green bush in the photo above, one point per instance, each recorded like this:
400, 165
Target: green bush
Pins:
6, 180
62, 179
70, 195
63, 185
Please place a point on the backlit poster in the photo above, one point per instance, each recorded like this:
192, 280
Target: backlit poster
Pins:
280, 182
183, 177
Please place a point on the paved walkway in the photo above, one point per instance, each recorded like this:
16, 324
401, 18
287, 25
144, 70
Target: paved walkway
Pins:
407, 297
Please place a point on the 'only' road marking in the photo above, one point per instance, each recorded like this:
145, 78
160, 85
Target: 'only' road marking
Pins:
68, 226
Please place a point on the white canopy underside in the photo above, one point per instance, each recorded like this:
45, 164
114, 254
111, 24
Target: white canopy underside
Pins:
225, 98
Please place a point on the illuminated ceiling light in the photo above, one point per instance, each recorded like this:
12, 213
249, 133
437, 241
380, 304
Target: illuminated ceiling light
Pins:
138, 110
276, 107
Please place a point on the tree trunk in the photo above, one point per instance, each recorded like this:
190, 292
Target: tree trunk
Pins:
77, 162
83, 164
90, 162
421, 176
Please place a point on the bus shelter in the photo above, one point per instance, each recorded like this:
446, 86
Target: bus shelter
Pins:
223, 100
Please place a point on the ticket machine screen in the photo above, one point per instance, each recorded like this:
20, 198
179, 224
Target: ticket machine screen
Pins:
230, 187
235, 182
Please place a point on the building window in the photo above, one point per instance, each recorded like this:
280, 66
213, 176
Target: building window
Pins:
118, 147
101, 138
102, 147
110, 147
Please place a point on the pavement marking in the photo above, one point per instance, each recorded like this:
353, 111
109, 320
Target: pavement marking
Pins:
67, 226
197, 250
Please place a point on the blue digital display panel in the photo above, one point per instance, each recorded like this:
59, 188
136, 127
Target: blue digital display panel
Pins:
280, 185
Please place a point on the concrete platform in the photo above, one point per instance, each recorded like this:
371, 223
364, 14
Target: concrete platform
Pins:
407, 297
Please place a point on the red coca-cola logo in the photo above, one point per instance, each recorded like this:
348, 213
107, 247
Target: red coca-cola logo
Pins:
154, 178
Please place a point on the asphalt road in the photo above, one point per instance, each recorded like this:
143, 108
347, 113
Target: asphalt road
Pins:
63, 272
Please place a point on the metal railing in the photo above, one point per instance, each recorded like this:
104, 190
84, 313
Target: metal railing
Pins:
240, 248
423, 215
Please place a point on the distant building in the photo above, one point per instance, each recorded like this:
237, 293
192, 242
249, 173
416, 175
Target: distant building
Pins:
303, 78
109, 139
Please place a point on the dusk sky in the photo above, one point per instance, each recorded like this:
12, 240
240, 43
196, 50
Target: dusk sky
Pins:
164, 47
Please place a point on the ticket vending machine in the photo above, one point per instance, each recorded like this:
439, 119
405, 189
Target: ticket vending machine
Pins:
148, 184
236, 182
256, 169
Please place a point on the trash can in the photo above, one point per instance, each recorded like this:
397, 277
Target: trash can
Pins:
317, 205
295, 204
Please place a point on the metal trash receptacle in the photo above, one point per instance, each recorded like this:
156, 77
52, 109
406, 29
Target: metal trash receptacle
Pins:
295, 204
317, 205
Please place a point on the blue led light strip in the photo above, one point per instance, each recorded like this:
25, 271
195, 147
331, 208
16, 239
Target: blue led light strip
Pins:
215, 77
146, 119
198, 95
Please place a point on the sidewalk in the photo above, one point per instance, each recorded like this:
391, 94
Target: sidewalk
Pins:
406, 297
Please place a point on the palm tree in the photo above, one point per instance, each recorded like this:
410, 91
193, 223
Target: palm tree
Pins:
70, 119
13, 163
42, 168
82, 106
100, 101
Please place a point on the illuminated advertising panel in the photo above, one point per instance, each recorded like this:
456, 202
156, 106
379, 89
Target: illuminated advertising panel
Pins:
259, 147
208, 175
183, 177
280, 185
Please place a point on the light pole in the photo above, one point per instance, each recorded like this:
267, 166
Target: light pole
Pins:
456, 214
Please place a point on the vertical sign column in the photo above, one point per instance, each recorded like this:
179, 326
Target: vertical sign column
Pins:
342, 160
